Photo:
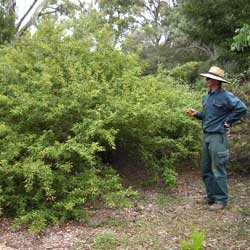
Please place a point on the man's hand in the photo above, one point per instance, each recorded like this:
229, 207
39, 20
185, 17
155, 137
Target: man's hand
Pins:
192, 112
228, 128
227, 125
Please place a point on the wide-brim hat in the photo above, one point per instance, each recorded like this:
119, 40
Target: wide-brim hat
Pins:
215, 73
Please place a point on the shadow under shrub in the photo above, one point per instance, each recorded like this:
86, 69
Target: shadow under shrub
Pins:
62, 105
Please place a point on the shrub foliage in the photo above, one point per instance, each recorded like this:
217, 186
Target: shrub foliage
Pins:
67, 104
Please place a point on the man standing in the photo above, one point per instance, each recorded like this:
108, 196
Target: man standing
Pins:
220, 109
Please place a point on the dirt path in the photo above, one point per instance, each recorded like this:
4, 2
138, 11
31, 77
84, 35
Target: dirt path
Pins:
160, 219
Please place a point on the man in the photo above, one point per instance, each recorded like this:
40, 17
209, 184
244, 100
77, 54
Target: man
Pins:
220, 110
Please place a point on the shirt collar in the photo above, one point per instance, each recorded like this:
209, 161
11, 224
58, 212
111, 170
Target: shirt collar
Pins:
215, 92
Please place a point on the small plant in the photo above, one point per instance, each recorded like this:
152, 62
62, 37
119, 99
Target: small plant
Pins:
169, 176
105, 241
196, 242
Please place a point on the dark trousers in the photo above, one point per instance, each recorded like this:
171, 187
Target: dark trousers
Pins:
214, 160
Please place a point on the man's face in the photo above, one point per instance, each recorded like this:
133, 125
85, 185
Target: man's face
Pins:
212, 83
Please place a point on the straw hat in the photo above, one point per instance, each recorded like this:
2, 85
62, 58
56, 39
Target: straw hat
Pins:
215, 73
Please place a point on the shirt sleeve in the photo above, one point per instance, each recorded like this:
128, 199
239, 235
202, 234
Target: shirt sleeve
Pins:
237, 107
199, 115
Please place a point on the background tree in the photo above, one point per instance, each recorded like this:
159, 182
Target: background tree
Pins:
213, 24
7, 20
44, 9
159, 40
120, 15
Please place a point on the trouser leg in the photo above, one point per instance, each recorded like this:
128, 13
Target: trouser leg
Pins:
207, 172
218, 148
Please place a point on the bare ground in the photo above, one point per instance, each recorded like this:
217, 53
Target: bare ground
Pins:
160, 219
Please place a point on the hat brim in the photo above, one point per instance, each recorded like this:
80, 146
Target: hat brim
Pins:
213, 77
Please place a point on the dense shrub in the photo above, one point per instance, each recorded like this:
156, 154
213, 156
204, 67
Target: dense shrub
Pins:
240, 133
186, 73
66, 107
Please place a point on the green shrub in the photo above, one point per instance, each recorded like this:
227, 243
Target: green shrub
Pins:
67, 109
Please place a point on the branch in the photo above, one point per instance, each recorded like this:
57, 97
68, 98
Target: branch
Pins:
149, 9
47, 13
206, 50
80, 3
26, 14
175, 3
145, 19
157, 11
157, 40
83, 9
32, 18
13, 5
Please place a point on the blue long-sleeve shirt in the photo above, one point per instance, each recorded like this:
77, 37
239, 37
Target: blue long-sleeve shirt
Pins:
219, 107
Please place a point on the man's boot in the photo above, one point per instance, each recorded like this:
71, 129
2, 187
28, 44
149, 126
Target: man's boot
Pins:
217, 206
